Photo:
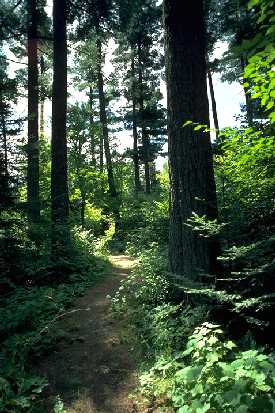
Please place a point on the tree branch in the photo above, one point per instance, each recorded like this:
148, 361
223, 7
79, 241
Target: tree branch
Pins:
14, 61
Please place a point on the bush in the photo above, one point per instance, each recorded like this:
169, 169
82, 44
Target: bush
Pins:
211, 375
147, 285
28, 313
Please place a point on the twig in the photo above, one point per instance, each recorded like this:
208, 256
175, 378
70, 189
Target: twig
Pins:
14, 61
61, 316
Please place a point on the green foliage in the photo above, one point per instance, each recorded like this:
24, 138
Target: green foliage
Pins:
204, 227
59, 406
144, 220
259, 72
104, 243
245, 177
212, 375
146, 285
18, 393
29, 310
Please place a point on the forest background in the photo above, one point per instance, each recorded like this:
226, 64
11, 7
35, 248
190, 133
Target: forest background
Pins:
70, 196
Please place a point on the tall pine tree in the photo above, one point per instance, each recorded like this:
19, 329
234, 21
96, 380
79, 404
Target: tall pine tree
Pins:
59, 182
190, 157
33, 101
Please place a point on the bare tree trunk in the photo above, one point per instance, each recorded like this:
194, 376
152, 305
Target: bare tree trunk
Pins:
144, 135
135, 133
213, 102
105, 134
4, 134
92, 137
59, 177
153, 175
101, 153
190, 155
42, 118
33, 102
42, 99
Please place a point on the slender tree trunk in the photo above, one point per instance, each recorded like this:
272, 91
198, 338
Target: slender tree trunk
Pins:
42, 117
4, 134
135, 133
190, 155
101, 152
92, 137
33, 102
144, 135
105, 134
42, 99
213, 102
59, 180
153, 175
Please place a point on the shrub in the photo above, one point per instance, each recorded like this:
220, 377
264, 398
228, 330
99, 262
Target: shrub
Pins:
212, 375
147, 285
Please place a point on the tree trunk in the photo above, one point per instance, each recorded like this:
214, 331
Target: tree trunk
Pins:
4, 134
135, 133
101, 152
144, 135
42, 118
33, 102
105, 134
153, 175
190, 155
92, 137
213, 102
42, 98
59, 180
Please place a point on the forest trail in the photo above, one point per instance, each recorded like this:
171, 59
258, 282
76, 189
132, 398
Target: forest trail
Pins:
93, 369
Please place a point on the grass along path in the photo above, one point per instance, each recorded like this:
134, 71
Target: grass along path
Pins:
92, 369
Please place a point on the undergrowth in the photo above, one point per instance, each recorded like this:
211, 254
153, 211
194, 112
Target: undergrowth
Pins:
28, 312
188, 364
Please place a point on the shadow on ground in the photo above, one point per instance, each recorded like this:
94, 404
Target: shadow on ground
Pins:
93, 369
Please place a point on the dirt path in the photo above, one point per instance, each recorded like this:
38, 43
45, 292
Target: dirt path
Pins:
93, 369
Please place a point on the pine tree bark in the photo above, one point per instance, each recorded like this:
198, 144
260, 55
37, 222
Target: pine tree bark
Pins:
33, 103
4, 134
101, 153
92, 137
59, 180
190, 155
144, 135
213, 102
42, 99
135, 133
105, 134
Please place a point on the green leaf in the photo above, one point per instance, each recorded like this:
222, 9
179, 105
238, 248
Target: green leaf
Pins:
188, 122
199, 127
184, 409
242, 409
188, 374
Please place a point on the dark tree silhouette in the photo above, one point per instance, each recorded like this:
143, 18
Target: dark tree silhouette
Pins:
59, 184
33, 102
190, 156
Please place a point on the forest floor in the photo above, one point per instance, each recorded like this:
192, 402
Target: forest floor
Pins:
94, 367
